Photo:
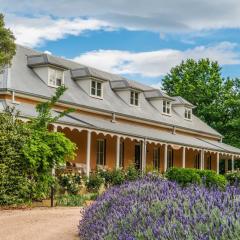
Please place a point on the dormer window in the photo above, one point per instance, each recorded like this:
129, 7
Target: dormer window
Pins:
166, 107
96, 89
188, 113
134, 98
55, 77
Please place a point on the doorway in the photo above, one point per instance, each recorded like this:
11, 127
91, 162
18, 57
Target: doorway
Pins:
138, 156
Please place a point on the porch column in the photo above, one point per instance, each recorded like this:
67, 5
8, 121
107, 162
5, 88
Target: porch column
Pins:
144, 155
218, 163
183, 157
165, 157
88, 153
232, 163
117, 152
202, 160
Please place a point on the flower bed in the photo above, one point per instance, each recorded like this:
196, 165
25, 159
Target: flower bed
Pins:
152, 208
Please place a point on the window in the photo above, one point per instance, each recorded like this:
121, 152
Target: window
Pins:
156, 158
101, 157
96, 88
209, 162
121, 160
134, 98
170, 158
197, 161
188, 113
55, 77
166, 107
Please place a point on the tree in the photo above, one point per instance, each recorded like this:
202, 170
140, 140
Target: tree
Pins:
14, 182
216, 99
44, 149
28, 152
7, 45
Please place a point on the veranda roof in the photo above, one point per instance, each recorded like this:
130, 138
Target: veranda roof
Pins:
122, 128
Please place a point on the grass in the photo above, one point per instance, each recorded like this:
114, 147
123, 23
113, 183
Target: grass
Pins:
71, 200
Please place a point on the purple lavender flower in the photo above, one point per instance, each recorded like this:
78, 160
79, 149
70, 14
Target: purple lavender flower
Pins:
152, 208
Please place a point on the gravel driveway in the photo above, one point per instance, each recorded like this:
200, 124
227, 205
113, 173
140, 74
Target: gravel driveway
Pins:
40, 224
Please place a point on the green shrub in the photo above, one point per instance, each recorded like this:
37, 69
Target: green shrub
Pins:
106, 175
94, 182
70, 182
212, 179
233, 177
118, 177
132, 173
186, 176
183, 176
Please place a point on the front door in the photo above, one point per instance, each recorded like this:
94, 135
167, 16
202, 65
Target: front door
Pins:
138, 156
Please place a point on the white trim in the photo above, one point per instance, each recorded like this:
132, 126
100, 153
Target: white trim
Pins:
167, 107
90, 92
55, 69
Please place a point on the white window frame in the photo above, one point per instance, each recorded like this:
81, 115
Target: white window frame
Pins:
55, 71
96, 89
134, 100
166, 107
101, 155
188, 114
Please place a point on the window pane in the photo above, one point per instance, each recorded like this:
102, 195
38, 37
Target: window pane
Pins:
93, 88
132, 98
99, 86
52, 76
99, 92
101, 152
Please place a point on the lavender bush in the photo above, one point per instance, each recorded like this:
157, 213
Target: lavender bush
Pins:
152, 208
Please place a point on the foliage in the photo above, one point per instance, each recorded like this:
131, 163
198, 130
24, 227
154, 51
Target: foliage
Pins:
15, 185
152, 208
7, 45
44, 111
28, 152
106, 175
183, 176
114, 177
233, 177
70, 182
212, 179
94, 182
132, 173
217, 100
74, 200
187, 176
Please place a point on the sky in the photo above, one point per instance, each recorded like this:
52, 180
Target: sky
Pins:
139, 39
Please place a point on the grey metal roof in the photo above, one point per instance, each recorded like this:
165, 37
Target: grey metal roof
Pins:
22, 79
92, 122
43, 59
157, 93
181, 101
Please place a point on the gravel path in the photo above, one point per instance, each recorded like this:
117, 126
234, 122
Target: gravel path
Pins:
40, 224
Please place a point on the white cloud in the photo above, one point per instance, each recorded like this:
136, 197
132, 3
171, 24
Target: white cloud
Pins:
33, 32
153, 15
156, 63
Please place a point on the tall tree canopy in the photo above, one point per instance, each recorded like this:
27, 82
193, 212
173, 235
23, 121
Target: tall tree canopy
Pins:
7, 45
217, 100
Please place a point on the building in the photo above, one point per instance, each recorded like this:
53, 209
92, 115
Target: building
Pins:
117, 121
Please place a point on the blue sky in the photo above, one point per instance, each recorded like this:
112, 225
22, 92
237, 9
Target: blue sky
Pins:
140, 39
